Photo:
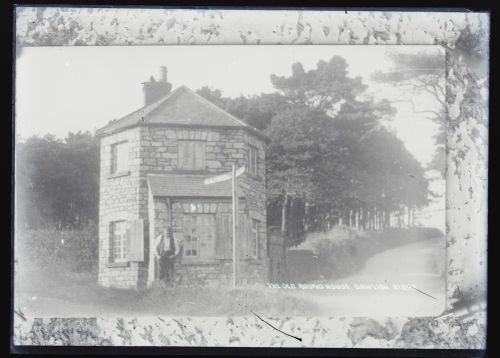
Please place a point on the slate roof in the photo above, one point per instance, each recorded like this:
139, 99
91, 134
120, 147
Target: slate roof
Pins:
188, 185
181, 107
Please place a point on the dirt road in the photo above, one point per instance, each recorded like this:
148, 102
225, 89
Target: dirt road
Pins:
405, 281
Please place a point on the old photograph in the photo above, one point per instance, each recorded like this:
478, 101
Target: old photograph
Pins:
230, 180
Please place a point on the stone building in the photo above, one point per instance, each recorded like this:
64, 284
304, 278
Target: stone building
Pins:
153, 165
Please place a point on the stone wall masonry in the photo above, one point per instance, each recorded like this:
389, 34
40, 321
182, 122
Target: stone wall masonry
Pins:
118, 200
224, 147
220, 274
154, 150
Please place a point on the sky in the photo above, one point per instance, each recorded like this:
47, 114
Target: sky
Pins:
67, 89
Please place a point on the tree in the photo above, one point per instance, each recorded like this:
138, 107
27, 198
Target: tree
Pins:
300, 137
333, 121
57, 181
37, 167
330, 160
420, 73
323, 88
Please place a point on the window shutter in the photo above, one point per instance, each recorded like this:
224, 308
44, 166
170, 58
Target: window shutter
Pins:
183, 153
196, 155
250, 235
186, 154
199, 155
223, 241
125, 245
202, 155
252, 159
136, 239
260, 248
180, 155
190, 154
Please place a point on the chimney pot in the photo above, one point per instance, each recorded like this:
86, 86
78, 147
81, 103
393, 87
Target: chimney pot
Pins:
154, 90
163, 73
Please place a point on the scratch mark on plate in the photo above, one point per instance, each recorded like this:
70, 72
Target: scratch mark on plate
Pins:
416, 289
269, 324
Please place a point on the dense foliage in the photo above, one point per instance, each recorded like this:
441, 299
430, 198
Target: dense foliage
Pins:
57, 181
330, 160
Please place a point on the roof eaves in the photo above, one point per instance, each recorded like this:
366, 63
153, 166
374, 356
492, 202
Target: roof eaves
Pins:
181, 125
149, 109
104, 131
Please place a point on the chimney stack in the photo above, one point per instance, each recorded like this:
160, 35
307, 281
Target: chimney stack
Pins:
155, 90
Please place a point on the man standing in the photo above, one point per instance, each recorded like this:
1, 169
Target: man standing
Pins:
167, 248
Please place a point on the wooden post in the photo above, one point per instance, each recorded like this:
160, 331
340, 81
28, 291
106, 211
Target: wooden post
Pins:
235, 226
170, 217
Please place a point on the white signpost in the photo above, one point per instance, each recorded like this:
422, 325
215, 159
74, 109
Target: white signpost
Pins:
233, 175
225, 176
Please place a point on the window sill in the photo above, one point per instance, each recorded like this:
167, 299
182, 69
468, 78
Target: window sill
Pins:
118, 175
118, 264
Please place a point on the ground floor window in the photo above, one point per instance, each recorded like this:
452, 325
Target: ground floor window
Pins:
119, 244
199, 236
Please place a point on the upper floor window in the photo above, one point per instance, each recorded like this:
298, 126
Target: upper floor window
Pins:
252, 159
119, 157
191, 154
